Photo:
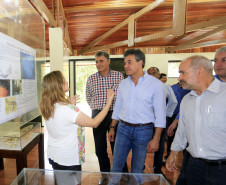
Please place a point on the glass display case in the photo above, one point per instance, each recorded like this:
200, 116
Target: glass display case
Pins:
14, 136
17, 140
50, 177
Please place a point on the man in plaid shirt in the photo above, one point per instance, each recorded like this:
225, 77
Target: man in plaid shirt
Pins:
96, 94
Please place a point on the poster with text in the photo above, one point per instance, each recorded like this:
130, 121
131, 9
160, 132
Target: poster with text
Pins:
18, 83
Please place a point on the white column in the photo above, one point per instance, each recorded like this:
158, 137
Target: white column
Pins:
56, 49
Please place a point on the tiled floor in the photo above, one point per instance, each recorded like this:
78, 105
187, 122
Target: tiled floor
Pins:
9, 173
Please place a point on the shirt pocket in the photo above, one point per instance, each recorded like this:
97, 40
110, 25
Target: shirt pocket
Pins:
216, 116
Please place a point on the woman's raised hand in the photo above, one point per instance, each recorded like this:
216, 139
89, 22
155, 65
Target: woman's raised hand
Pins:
110, 95
75, 99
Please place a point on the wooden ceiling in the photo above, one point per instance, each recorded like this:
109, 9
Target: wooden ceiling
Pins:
172, 26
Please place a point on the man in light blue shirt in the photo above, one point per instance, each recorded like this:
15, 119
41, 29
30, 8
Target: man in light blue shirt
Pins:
202, 125
140, 106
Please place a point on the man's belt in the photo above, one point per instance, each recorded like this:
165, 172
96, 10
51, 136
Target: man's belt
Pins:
136, 125
210, 162
213, 162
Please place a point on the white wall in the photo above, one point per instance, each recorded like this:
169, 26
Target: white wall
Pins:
161, 61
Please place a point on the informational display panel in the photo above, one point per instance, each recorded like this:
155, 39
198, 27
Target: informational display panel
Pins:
18, 83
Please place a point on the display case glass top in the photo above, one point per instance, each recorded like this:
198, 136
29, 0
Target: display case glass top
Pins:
15, 136
50, 177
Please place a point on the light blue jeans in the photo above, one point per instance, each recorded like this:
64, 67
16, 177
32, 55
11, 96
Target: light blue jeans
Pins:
135, 138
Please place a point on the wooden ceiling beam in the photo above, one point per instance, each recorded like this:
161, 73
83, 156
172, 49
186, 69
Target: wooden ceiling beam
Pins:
162, 34
58, 12
105, 35
203, 36
206, 24
154, 36
148, 8
203, 44
107, 46
122, 24
102, 7
44, 11
136, 40
117, 5
67, 39
42, 8
179, 17
131, 31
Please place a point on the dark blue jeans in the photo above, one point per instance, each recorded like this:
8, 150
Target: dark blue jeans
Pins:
100, 140
196, 172
127, 138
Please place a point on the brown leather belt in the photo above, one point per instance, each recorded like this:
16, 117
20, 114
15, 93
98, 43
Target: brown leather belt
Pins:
136, 125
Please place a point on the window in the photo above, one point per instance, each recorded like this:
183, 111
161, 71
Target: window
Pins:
173, 68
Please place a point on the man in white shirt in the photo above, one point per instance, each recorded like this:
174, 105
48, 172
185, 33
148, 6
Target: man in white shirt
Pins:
171, 103
202, 125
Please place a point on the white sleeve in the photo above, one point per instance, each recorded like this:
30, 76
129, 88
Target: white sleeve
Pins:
180, 140
70, 114
171, 102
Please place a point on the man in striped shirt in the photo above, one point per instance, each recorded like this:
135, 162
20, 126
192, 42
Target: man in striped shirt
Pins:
96, 94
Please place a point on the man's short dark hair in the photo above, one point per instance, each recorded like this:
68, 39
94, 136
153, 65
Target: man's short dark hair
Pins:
139, 55
102, 53
157, 69
162, 74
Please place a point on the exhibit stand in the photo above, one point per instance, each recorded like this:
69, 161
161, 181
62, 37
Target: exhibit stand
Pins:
18, 141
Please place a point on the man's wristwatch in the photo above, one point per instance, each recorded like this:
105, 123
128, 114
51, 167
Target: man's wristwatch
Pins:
111, 126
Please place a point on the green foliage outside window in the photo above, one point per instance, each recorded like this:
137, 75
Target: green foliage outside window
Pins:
82, 73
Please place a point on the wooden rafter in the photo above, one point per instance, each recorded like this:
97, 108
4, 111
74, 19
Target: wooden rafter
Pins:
58, 12
105, 35
206, 24
192, 41
113, 5
44, 11
41, 7
65, 30
154, 36
179, 17
131, 31
136, 40
97, 17
146, 9
162, 34
203, 44
114, 45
